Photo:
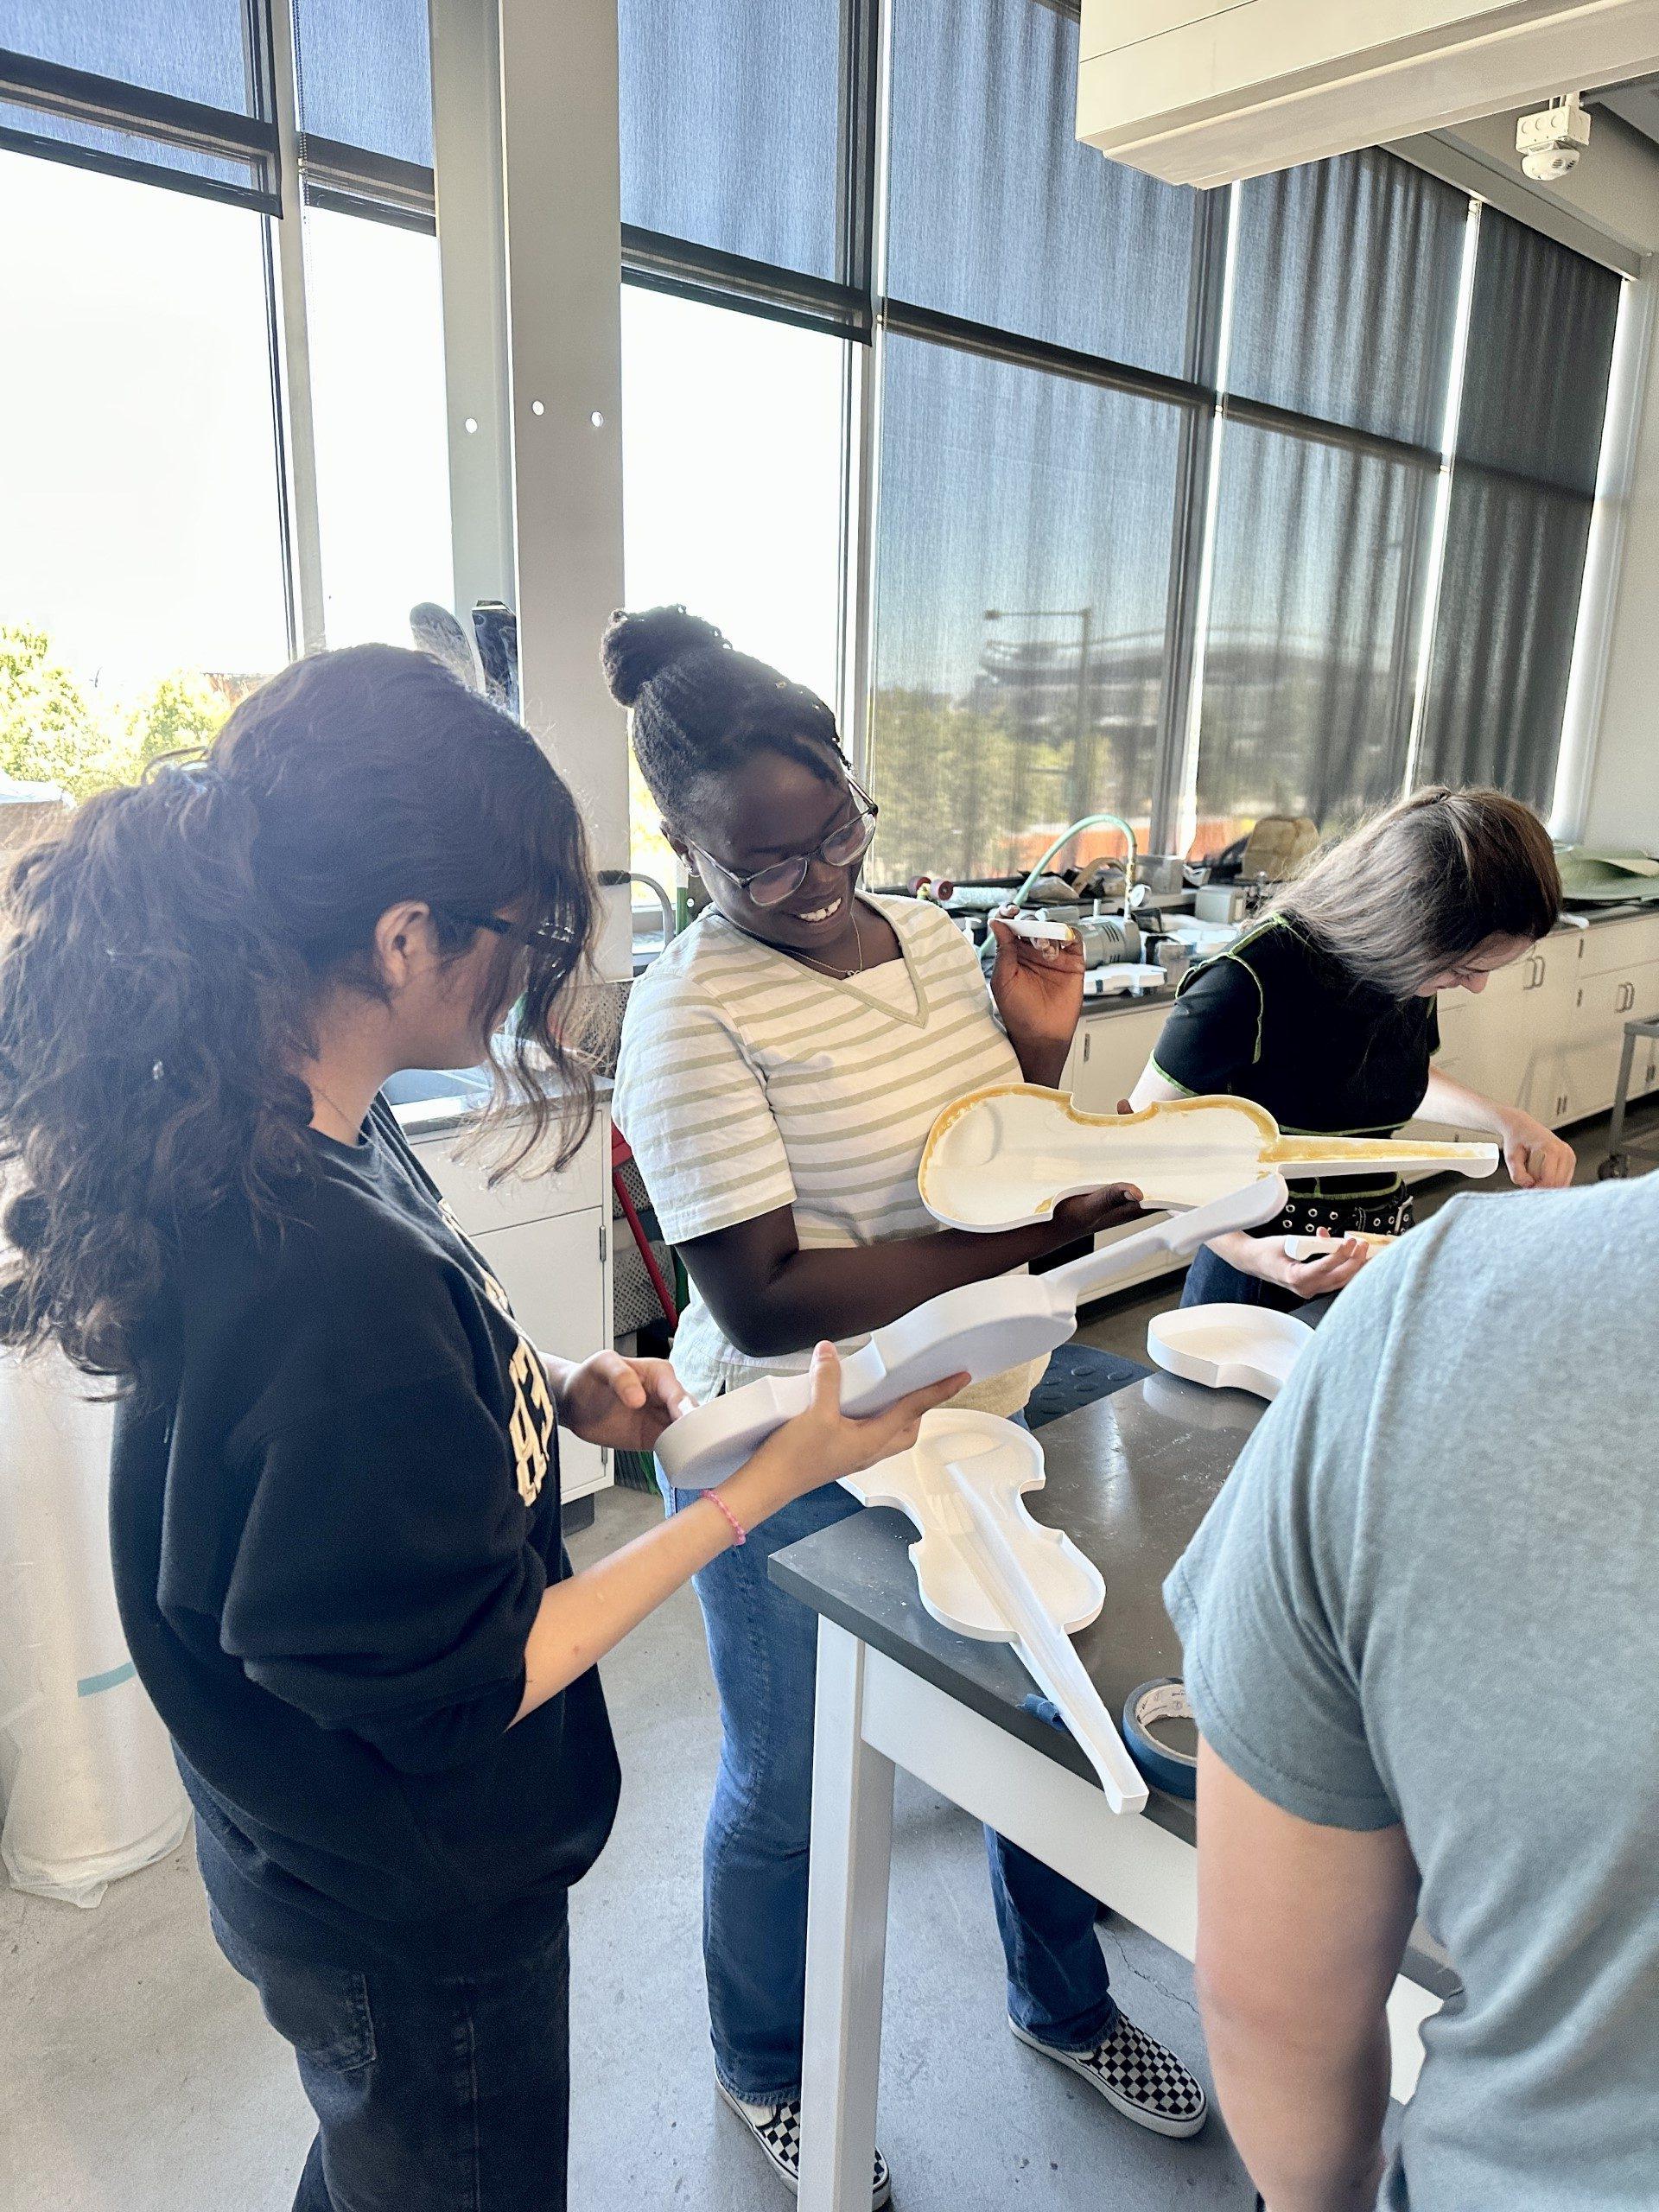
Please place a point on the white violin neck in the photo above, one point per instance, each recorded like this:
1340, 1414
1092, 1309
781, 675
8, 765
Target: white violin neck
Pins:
1095, 1272
1050, 1658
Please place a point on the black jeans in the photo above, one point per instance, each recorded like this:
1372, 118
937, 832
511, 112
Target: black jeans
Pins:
432, 2092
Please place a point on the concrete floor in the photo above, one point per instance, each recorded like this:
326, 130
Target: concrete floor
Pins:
137, 2073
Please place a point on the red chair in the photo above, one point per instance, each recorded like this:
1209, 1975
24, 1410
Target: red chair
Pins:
622, 1157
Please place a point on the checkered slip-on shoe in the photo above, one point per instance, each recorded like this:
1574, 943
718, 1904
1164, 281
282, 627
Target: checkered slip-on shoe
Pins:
776, 2129
1137, 2077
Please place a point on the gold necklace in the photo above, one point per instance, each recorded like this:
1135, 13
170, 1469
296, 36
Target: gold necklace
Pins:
317, 1091
836, 975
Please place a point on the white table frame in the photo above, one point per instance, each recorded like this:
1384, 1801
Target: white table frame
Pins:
873, 1716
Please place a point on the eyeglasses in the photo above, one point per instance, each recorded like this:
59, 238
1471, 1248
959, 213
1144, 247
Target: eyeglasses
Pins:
544, 938
771, 885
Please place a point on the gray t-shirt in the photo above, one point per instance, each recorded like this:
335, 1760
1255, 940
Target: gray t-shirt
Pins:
1429, 1593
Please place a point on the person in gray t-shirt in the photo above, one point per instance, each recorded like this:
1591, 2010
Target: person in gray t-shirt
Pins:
1421, 1633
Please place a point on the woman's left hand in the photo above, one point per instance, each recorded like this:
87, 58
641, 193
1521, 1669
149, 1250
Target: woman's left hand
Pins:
1038, 986
624, 1404
1535, 1157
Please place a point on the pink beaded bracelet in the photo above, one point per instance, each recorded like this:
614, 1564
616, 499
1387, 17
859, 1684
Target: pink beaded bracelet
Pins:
738, 1529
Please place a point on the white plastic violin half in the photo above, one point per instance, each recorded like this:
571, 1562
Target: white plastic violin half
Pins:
1229, 1347
987, 1569
978, 1330
1005, 1156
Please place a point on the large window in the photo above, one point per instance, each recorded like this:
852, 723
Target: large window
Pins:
375, 321
140, 562
1179, 505
1020, 663
1542, 326
1105, 495
160, 535
1339, 342
731, 451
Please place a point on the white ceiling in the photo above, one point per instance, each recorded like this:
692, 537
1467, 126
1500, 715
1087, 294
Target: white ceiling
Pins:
1637, 104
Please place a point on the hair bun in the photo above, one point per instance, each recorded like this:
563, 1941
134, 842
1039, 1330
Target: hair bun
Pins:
637, 647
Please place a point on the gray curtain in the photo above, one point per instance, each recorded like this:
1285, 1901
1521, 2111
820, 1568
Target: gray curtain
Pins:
365, 75
1534, 396
1345, 295
1023, 552
192, 49
731, 126
997, 215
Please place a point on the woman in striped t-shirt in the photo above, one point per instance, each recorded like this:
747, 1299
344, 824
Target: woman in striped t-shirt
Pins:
782, 1063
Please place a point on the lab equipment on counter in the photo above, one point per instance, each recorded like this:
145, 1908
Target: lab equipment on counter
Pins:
987, 1570
980, 1329
1006, 1155
1230, 903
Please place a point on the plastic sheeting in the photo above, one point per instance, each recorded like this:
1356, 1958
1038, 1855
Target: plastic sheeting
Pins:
88, 1781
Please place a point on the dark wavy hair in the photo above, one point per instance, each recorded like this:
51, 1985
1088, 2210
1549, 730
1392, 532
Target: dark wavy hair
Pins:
163, 952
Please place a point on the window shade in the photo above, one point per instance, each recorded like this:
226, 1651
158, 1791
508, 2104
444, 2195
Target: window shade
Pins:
1345, 294
997, 215
365, 75
1534, 394
190, 49
731, 126
1315, 625
1023, 516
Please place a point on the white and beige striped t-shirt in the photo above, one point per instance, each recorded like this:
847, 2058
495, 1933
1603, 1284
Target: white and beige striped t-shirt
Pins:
749, 1081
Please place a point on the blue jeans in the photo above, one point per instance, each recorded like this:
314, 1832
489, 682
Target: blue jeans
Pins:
1211, 1281
432, 2092
763, 1645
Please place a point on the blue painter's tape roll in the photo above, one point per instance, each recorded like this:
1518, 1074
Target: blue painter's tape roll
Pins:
1163, 1766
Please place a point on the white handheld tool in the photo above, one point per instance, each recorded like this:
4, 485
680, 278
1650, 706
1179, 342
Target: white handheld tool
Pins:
1005, 1156
978, 1330
987, 1569
1037, 928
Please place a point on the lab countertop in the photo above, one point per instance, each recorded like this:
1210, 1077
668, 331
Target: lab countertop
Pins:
1129, 1479
1095, 1009
454, 1106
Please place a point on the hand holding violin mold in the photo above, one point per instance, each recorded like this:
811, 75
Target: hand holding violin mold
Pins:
823, 1444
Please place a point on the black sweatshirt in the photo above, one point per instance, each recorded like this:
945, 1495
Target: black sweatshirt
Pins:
334, 1510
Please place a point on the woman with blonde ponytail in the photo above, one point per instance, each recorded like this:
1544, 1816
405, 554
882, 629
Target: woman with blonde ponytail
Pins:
1324, 1012
335, 1497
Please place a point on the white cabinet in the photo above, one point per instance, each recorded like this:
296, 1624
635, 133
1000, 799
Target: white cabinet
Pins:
557, 1274
546, 1239
1547, 1034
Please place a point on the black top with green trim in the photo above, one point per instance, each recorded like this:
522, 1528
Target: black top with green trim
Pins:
1278, 1019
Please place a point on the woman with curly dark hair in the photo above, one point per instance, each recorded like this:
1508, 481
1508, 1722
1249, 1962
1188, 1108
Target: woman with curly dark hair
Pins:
334, 1492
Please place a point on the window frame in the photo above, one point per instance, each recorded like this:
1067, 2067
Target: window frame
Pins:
290, 168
